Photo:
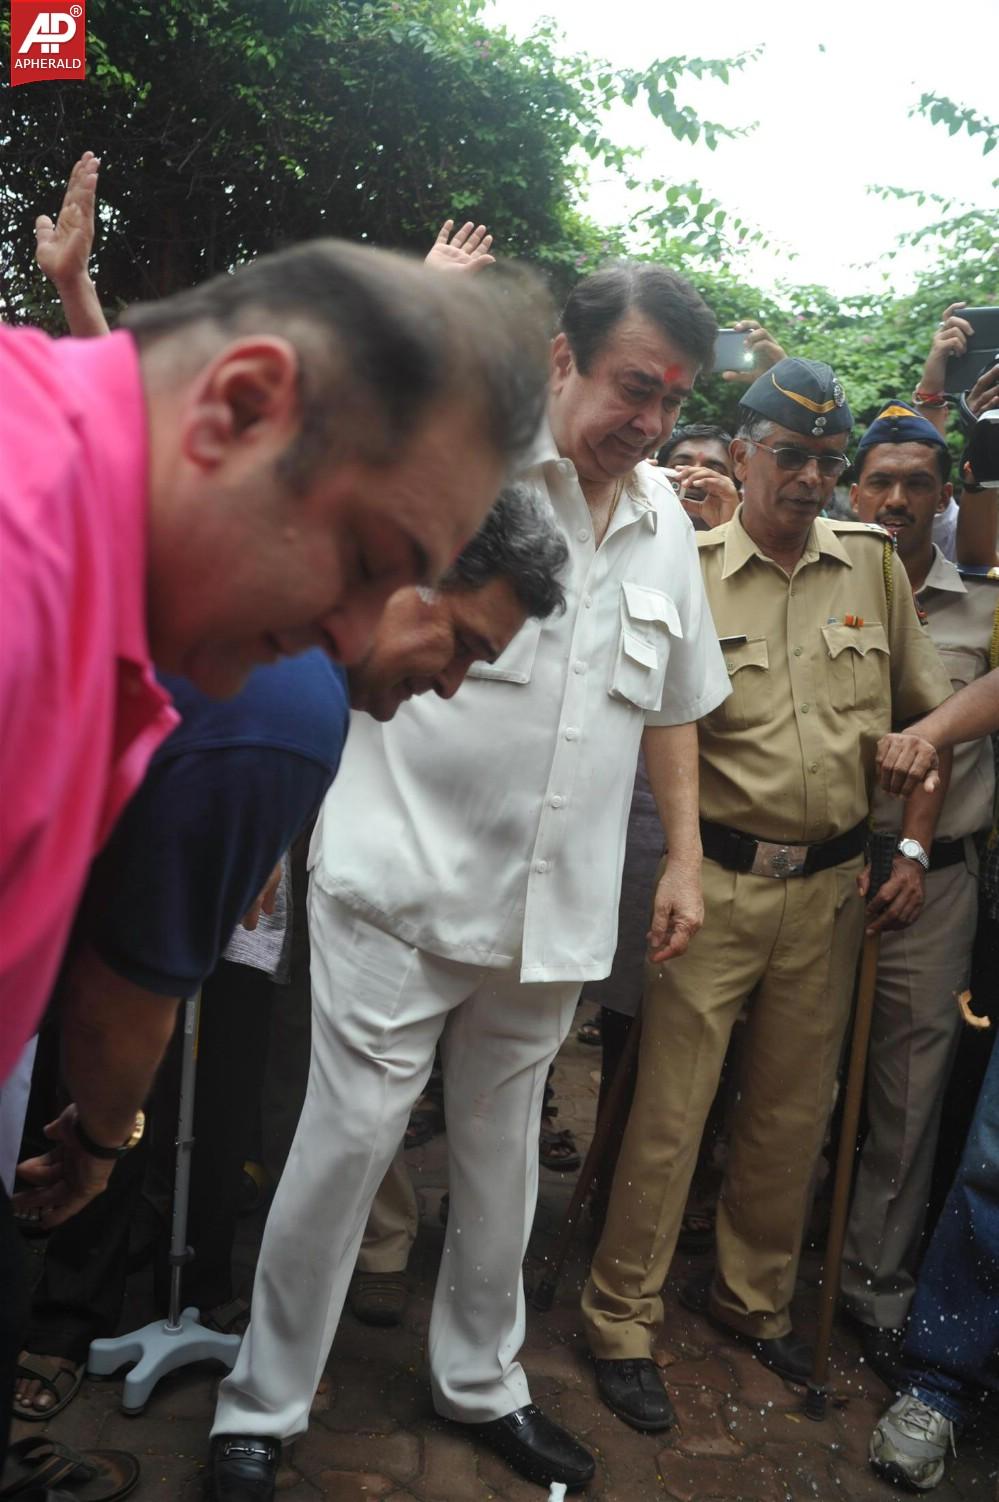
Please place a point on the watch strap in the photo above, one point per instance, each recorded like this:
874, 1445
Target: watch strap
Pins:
98, 1149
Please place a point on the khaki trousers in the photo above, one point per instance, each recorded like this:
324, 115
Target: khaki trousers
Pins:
914, 1037
392, 1224
790, 948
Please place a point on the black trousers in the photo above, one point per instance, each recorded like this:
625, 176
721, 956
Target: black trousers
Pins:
80, 1294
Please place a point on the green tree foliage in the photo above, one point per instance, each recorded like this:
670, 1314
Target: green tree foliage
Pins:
230, 127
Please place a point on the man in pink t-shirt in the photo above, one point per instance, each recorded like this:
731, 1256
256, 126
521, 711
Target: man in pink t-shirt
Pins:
251, 469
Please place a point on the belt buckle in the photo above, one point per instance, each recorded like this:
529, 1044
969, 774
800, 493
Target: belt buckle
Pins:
778, 861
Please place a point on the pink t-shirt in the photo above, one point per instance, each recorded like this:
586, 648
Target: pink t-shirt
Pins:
80, 710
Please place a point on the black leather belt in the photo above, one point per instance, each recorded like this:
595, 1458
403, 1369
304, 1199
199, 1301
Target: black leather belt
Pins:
945, 853
744, 852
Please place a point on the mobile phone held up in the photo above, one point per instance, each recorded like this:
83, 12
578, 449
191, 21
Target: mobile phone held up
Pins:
731, 352
982, 352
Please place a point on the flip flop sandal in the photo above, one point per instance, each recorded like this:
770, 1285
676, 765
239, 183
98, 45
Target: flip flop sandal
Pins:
558, 1150
62, 1381
589, 1032
87, 1475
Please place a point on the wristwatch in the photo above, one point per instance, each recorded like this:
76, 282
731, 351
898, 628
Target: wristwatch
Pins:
913, 851
99, 1150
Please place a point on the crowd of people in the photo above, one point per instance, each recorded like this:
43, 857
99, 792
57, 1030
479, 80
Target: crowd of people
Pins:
355, 636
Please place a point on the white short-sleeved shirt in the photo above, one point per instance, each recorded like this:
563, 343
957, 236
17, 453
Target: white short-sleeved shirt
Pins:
490, 828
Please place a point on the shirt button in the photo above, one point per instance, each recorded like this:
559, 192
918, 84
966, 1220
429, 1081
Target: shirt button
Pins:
558, 801
583, 535
588, 601
805, 708
813, 766
579, 667
797, 651
572, 734
541, 867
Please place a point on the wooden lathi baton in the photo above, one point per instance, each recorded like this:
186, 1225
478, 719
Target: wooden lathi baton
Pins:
816, 1397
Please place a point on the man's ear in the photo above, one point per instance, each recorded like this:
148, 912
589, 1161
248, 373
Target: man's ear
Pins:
738, 450
246, 396
561, 361
945, 494
854, 493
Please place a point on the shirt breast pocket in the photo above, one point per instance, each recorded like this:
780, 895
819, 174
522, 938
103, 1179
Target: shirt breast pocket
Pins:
857, 663
962, 664
515, 664
648, 619
751, 700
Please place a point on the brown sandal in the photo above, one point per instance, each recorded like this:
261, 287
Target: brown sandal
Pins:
64, 1382
32, 1465
557, 1150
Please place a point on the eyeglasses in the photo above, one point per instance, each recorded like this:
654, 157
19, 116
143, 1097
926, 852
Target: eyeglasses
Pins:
791, 459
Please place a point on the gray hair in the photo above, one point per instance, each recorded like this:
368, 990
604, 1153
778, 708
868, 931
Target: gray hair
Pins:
380, 341
521, 541
753, 426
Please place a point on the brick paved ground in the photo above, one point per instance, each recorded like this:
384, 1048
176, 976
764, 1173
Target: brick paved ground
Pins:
741, 1437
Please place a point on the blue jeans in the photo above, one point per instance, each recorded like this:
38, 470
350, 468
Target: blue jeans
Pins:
952, 1348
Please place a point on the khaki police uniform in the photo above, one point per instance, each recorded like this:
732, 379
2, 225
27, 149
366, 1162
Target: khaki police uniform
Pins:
916, 1023
822, 663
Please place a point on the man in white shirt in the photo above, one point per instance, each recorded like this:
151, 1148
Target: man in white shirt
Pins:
466, 871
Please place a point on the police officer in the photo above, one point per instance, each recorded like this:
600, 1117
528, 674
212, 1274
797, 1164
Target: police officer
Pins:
902, 470
824, 649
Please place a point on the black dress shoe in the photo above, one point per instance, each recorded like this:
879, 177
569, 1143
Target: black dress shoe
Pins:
537, 1448
786, 1355
244, 1467
635, 1391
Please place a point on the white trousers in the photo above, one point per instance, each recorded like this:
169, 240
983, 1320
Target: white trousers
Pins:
378, 1009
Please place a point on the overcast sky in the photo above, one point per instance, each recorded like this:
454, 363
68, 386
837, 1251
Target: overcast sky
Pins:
831, 93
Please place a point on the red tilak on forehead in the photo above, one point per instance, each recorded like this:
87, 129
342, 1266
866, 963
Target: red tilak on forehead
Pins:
672, 373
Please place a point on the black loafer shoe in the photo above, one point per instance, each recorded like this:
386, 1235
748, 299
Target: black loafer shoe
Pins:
537, 1448
786, 1355
635, 1392
789, 1357
244, 1467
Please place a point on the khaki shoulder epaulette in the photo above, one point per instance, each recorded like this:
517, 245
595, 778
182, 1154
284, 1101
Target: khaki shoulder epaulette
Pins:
712, 538
858, 528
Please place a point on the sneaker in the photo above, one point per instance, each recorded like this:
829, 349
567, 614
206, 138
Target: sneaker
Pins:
910, 1443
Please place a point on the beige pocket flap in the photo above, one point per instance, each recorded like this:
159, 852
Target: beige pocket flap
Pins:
643, 603
860, 639
746, 654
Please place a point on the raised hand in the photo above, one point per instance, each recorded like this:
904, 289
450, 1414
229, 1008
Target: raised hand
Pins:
62, 249
765, 350
951, 338
467, 249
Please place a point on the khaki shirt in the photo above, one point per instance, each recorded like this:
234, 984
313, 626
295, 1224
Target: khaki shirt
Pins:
960, 618
789, 756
